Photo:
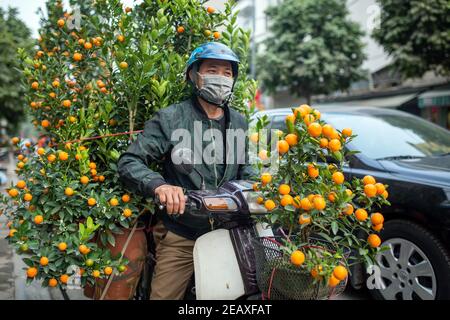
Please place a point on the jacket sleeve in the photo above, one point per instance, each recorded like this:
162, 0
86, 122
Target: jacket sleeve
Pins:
150, 146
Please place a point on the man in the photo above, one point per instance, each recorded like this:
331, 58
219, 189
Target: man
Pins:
212, 70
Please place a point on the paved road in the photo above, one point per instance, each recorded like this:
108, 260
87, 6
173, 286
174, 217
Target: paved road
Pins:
6, 264
7, 285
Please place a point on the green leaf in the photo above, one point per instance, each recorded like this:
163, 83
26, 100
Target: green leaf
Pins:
124, 223
54, 210
289, 208
349, 153
145, 44
103, 238
338, 155
148, 66
58, 263
111, 239
33, 245
273, 218
368, 260
325, 236
28, 262
69, 210
113, 166
290, 126
334, 227
363, 251
81, 230
90, 223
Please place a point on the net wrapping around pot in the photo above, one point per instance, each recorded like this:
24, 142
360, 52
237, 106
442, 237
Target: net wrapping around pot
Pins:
278, 279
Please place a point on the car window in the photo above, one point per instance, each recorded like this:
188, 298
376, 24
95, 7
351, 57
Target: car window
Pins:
389, 135
279, 122
276, 122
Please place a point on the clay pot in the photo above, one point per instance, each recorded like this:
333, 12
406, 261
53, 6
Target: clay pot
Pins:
89, 291
124, 284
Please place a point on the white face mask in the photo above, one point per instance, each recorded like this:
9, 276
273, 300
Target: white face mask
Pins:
215, 89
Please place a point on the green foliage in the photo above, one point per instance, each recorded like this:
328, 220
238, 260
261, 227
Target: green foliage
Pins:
316, 206
313, 48
416, 34
15, 34
91, 86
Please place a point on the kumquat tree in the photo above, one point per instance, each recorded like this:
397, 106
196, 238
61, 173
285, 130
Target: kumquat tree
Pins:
322, 216
98, 72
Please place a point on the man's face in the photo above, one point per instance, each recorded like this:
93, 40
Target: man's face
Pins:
214, 67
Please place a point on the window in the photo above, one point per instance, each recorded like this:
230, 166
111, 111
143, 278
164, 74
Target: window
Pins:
389, 135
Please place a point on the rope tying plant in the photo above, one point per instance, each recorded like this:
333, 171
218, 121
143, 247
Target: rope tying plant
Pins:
100, 137
104, 136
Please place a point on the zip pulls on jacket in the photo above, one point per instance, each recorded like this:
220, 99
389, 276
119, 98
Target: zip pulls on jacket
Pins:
225, 142
228, 125
214, 148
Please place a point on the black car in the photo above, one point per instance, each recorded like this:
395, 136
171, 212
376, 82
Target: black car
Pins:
412, 156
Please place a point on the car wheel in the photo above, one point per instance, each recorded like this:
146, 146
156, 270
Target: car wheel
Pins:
416, 266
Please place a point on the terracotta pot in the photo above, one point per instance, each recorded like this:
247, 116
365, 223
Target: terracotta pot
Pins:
89, 291
123, 284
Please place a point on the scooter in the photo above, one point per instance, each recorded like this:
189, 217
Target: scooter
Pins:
224, 261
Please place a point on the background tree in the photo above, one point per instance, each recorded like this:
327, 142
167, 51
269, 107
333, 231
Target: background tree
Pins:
416, 34
14, 34
313, 48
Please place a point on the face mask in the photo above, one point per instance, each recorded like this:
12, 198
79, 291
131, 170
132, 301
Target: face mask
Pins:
215, 89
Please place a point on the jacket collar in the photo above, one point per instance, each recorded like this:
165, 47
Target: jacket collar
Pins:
199, 109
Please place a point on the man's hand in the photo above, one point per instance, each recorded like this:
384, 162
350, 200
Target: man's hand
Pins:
172, 197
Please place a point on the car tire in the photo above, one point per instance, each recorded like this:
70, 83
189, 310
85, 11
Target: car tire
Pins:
403, 236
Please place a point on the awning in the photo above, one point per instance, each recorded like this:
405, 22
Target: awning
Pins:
434, 98
384, 102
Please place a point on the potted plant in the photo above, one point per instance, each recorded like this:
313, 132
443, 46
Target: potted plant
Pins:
95, 76
322, 219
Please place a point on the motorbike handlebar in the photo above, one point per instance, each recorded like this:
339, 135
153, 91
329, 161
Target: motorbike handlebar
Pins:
161, 206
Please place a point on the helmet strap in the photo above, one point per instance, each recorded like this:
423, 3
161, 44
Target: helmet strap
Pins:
194, 78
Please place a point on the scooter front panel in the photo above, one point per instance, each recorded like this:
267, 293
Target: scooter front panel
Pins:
217, 272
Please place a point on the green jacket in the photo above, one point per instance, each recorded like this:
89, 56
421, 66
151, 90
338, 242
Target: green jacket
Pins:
155, 144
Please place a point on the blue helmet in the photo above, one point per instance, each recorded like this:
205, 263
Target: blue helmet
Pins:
213, 50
